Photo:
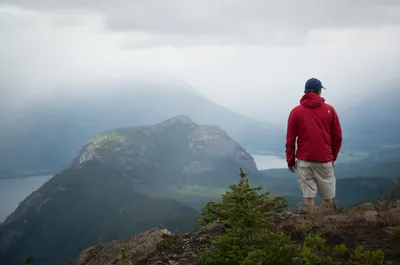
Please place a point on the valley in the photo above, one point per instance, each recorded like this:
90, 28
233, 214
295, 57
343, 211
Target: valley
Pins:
132, 179
14, 190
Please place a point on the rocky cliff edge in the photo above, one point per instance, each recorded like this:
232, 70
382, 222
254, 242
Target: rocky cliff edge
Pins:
365, 225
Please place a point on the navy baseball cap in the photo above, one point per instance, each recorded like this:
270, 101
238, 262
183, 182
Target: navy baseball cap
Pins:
313, 85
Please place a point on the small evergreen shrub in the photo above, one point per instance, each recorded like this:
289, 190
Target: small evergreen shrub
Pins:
366, 257
247, 213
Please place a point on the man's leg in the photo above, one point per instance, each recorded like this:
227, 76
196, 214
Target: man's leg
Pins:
306, 181
327, 202
309, 201
326, 182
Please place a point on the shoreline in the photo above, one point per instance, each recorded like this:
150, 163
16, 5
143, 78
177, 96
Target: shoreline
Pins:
27, 176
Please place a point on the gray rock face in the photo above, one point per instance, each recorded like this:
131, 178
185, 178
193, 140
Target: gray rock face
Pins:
196, 168
141, 145
180, 119
137, 248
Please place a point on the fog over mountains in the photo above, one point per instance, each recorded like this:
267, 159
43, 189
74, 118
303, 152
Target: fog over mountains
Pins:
142, 111
45, 135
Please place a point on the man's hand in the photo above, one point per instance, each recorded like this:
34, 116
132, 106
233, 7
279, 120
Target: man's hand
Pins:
292, 168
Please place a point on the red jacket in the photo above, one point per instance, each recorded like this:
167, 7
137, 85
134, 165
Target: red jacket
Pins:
316, 126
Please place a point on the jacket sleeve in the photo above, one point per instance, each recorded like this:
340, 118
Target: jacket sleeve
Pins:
291, 136
336, 135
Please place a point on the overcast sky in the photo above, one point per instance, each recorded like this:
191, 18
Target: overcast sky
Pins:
256, 53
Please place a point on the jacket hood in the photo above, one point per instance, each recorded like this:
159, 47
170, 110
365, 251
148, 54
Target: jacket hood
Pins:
312, 100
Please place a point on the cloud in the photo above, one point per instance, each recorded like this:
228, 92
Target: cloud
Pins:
254, 21
252, 56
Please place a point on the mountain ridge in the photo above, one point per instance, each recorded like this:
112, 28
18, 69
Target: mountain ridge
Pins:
44, 136
122, 182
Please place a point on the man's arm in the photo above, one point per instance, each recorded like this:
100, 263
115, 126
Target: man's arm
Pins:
336, 134
291, 135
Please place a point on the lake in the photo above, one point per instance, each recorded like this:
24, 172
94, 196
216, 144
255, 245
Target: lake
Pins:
13, 191
269, 161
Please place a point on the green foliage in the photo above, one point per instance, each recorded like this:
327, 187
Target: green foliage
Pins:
316, 251
99, 204
29, 260
125, 260
313, 251
366, 257
246, 213
340, 249
166, 242
243, 206
235, 248
315, 242
306, 227
396, 231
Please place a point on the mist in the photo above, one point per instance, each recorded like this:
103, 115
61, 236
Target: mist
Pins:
71, 70
253, 65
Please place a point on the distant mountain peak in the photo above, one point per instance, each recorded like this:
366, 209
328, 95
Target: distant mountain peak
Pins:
195, 145
179, 119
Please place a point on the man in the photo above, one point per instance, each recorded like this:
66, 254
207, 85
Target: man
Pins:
316, 126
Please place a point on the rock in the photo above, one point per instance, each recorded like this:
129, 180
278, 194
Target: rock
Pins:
196, 168
396, 204
209, 227
180, 119
137, 248
336, 219
366, 211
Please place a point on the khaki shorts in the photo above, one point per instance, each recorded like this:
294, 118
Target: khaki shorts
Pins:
316, 177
